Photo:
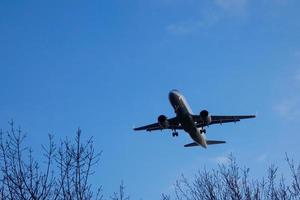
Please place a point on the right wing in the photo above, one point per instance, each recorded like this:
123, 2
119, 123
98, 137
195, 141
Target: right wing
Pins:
173, 124
220, 119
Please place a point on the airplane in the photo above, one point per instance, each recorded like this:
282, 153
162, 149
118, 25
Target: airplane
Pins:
193, 124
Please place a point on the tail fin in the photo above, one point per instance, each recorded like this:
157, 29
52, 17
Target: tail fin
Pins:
210, 142
192, 144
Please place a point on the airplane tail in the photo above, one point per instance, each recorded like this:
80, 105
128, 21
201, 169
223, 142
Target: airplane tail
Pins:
193, 144
208, 142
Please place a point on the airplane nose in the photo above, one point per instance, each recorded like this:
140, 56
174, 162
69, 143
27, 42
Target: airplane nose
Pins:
172, 95
174, 92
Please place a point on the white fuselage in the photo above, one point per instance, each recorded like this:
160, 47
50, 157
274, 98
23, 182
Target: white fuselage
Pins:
184, 115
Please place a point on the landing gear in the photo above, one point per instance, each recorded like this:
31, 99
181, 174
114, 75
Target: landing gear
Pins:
175, 134
203, 131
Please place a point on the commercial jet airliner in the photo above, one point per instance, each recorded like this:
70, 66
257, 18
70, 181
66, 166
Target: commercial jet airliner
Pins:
185, 120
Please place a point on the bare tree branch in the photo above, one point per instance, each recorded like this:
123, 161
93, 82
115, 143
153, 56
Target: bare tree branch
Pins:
63, 175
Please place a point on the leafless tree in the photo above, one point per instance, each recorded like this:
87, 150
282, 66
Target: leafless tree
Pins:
64, 174
230, 181
165, 197
294, 189
121, 194
67, 167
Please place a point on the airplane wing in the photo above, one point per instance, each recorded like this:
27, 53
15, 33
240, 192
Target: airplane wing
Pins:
215, 119
173, 124
220, 119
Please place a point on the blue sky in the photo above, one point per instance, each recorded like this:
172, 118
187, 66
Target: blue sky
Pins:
105, 66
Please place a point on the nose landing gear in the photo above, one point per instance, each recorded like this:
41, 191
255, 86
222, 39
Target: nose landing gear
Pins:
202, 130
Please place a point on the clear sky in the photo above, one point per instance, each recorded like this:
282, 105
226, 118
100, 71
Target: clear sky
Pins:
105, 66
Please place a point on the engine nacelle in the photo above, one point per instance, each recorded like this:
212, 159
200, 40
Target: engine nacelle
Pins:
163, 121
205, 116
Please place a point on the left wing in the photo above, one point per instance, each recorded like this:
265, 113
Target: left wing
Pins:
173, 124
220, 119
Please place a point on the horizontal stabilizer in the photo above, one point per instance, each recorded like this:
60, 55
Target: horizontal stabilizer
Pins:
210, 142
191, 144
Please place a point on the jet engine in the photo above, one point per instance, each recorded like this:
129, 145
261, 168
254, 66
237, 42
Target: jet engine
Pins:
163, 121
205, 116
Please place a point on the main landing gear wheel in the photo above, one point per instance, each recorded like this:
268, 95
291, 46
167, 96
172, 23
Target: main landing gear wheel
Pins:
175, 134
203, 131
